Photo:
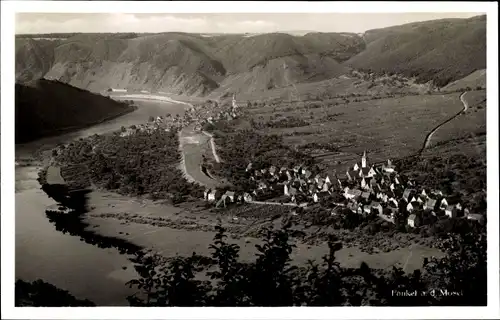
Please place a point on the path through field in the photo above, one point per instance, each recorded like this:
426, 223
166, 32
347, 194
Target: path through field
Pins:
429, 136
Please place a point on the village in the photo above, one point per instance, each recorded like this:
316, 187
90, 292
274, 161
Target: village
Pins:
363, 189
198, 115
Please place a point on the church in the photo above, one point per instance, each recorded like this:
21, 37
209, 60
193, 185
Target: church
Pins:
365, 171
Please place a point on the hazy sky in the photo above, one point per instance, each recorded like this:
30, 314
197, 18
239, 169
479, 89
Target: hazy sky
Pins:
218, 23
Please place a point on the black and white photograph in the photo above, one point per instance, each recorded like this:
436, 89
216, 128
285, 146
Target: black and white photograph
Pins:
242, 155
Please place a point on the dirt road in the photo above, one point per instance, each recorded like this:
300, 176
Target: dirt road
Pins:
429, 136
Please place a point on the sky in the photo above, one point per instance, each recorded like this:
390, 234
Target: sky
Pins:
218, 22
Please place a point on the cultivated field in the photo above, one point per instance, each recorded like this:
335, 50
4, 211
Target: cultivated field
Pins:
468, 124
386, 128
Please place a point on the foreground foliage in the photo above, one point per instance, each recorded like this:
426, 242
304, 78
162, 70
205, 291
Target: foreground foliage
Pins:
42, 294
271, 280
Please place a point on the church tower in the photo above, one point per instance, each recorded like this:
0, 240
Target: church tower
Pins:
363, 160
235, 106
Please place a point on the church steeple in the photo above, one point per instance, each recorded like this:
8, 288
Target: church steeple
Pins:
363, 160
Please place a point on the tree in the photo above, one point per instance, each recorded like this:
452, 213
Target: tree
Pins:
270, 276
270, 280
229, 272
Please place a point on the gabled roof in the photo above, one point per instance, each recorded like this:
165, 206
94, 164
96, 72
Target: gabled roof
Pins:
431, 202
407, 192
365, 170
354, 192
412, 217
365, 195
229, 193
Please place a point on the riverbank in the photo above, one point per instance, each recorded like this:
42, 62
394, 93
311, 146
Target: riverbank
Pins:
74, 258
182, 230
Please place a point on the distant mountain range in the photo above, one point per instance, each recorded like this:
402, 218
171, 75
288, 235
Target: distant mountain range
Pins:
441, 51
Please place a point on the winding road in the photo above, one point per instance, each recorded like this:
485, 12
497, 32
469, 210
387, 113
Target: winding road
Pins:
430, 134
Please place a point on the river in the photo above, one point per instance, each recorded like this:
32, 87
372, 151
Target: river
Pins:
63, 260
89, 265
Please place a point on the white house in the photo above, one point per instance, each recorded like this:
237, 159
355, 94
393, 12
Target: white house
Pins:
443, 204
430, 204
377, 207
412, 220
327, 179
326, 187
315, 197
367, 209
409, 207
363, 183
206, 193
212, 196
247, 197
371, 172
476, 217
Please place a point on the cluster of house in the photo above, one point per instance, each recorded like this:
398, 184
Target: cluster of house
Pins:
166, 123
198, 115
216, 112
222, 199
363, 189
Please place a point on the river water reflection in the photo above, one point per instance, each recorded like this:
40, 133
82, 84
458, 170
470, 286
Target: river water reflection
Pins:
79, 263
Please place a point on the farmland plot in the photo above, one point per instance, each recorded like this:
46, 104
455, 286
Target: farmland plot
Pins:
468, 124
386, 128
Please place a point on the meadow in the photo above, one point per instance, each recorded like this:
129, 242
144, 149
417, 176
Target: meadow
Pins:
468, 124
337, 131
